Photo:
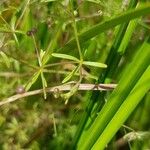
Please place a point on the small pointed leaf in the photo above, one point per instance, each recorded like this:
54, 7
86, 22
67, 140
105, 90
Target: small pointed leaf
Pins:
32, 80
95, 64
5, 58
70, 75
64, 56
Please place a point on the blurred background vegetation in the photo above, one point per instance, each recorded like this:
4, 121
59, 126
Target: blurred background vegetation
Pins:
34, 122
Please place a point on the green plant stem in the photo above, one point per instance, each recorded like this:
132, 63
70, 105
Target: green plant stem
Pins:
44, 83
22, 14
64, 87
77, 40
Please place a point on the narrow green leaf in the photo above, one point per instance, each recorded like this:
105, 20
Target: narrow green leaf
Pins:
32, 80
95, 64
5, 58
70, 74
129, 32
65, 56
52, 44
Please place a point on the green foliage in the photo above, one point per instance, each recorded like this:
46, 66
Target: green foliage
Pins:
47, 43
64, 56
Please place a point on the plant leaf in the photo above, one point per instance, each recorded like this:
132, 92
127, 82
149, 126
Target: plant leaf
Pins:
70, 75
65, 56
95, 64
32, 80
5, 58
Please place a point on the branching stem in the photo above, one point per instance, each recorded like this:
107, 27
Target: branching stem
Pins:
66, 87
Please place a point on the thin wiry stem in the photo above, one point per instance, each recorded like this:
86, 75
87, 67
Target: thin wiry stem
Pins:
14, 74
60, 63
21, 61
66, 87
22, 14
76, 32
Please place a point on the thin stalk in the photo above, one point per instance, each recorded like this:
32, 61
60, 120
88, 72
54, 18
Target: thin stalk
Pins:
65, 87
37, 51
10, 31
77, 40
44, 83
21, 61
85, 74
14, 74
22, 14
60, 63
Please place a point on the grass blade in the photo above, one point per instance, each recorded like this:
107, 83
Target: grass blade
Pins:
136, 95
